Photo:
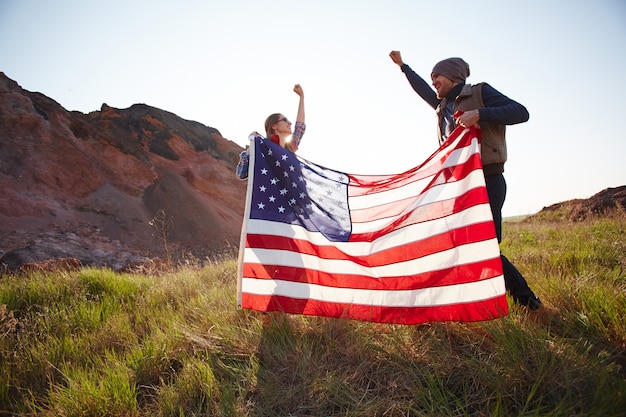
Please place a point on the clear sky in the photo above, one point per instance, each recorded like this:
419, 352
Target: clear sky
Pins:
230, 63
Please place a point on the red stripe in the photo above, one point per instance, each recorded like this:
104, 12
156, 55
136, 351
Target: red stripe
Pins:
476, 311
369, 184
458, 172
411, 250
449, 276
429, 212
395, 208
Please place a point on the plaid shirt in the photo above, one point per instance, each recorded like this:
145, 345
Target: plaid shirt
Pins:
244, 158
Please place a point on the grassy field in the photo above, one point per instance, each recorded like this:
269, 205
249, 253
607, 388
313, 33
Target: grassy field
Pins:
97, 343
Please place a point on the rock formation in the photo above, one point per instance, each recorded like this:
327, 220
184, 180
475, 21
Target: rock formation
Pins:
608, 202
113, 187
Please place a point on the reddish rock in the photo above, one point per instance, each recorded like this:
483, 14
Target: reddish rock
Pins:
103, 177
604, 203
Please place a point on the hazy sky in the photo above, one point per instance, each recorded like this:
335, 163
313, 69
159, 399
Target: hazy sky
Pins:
230, 63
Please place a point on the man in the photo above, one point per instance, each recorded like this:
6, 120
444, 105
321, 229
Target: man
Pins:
483, 105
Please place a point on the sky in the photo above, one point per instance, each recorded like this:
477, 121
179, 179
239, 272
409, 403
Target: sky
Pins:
229, 64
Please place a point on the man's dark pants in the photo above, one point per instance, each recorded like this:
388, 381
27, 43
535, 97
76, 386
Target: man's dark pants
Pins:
514, 282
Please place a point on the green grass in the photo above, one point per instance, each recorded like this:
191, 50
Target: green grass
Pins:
99, 343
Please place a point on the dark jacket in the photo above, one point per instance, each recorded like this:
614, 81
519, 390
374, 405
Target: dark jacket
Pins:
495, 109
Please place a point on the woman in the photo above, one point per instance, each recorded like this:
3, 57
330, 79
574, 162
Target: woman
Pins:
278, 130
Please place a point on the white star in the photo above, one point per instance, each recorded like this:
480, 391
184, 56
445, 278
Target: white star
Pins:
274, 181
261, 206
262, 188
264, 171
283, 191
281, 209
272, 199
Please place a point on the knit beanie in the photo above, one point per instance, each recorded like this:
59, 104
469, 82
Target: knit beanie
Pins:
455, 69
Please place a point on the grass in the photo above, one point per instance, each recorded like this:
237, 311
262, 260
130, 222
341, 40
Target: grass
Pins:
98, 343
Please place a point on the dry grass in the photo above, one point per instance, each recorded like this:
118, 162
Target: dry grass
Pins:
95, 343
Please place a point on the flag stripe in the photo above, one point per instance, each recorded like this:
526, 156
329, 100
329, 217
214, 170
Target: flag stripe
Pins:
462, 255
472, 203
434, 193
362, 210
415, 232
458, 274
432, 296
428, 246
485, 309
410, 189
447, 156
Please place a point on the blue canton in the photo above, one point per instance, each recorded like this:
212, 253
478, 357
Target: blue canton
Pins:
290, 190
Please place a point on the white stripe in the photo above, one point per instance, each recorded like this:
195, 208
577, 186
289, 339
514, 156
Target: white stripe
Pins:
434, 296
457, 256
411, 189
473, 215
462, 155
440, 192
449, 191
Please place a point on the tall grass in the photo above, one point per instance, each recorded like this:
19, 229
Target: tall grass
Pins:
99, 343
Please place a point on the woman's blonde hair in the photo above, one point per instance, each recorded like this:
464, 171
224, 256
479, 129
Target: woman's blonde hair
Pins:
271, 120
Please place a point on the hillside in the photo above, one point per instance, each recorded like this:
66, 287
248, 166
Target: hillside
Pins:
121, 187
604, 203
88, 186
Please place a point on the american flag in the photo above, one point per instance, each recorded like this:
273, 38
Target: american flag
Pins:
408, 248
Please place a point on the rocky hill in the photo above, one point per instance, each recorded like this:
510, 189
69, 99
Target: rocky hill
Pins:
113, 187
608, 202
